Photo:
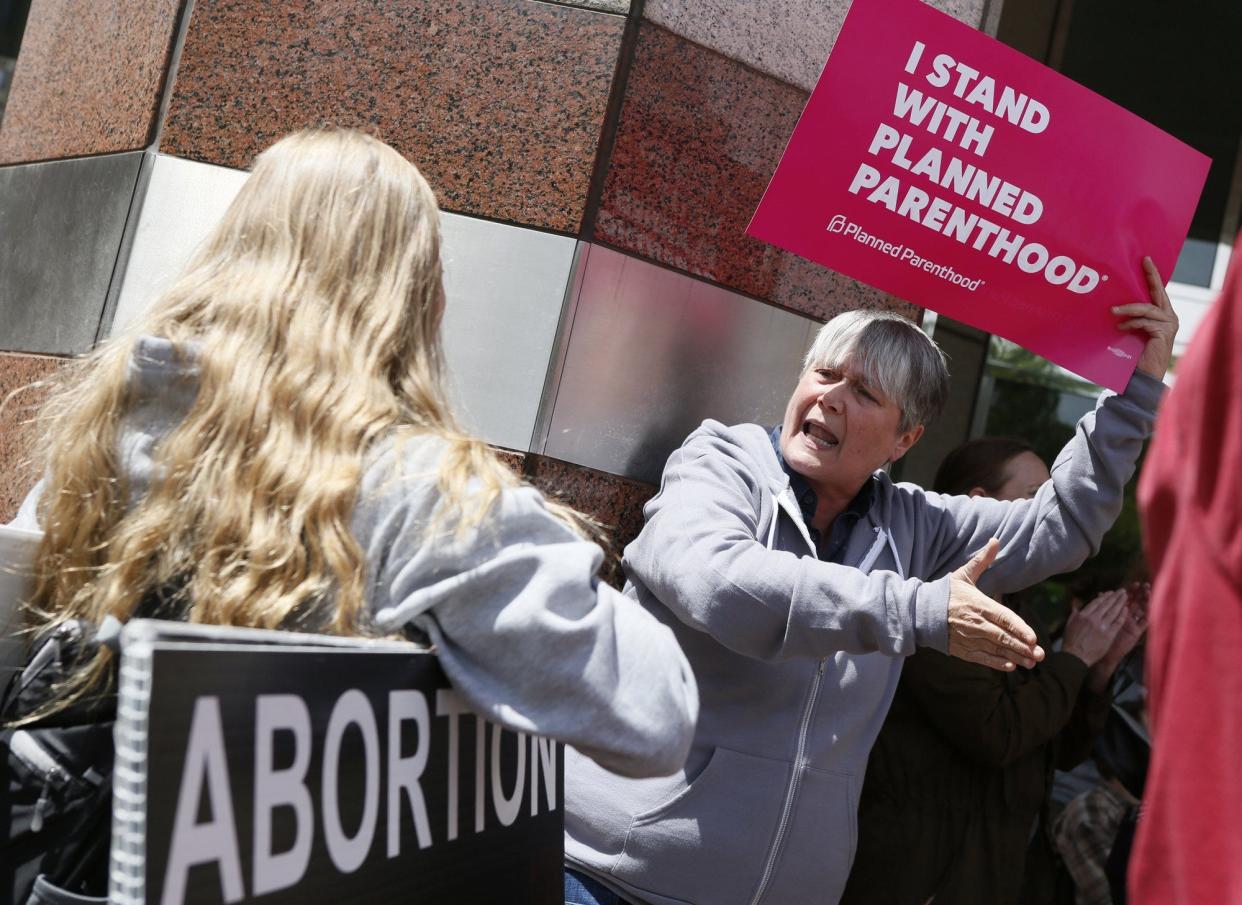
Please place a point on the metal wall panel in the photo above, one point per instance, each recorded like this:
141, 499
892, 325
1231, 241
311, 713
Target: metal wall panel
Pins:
183, 201
505, 286
62, 224
651, 353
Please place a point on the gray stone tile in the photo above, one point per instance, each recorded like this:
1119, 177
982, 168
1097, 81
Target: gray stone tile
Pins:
62, 224
605, 6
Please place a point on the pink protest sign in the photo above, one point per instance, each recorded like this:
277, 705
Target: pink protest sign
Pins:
941, 166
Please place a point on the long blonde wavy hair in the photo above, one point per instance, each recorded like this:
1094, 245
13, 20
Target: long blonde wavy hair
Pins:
313, 312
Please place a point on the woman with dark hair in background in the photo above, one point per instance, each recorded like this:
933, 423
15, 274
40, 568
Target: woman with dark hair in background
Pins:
959, 774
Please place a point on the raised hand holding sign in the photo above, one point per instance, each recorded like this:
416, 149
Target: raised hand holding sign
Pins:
1158, 319
939, 165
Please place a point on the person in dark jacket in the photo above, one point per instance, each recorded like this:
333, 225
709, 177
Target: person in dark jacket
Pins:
959, 774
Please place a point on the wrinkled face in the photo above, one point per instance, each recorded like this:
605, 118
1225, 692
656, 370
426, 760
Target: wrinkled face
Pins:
1024, 474
838, 430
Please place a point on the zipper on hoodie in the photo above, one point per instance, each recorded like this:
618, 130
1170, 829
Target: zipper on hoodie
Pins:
799, 766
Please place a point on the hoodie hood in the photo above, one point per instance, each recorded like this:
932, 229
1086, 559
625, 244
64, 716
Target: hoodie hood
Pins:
163, 382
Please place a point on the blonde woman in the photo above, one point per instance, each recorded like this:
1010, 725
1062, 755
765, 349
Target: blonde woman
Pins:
271, 447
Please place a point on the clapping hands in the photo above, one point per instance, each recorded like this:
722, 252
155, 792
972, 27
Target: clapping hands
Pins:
1104, 631
1091, 630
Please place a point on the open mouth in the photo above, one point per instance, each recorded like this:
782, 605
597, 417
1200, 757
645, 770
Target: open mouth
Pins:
820, 436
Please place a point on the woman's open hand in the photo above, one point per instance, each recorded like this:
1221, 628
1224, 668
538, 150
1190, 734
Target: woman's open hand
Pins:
982, 630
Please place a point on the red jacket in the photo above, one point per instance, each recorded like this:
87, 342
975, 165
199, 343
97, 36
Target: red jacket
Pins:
1189, 843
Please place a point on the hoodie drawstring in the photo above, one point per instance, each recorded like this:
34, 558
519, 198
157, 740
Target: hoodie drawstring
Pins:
882, 538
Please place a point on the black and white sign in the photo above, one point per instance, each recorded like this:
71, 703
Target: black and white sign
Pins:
298, 774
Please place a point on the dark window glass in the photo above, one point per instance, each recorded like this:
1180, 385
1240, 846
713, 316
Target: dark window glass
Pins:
12, 23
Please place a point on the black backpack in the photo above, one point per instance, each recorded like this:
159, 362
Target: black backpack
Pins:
56, 794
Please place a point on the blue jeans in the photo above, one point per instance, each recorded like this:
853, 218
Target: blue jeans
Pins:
583, 890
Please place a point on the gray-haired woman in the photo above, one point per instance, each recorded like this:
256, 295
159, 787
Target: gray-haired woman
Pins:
797, 576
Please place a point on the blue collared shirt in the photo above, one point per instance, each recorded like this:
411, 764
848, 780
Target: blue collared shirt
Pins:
832, 548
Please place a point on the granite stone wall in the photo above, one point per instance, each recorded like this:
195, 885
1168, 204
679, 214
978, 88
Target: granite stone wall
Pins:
598, 165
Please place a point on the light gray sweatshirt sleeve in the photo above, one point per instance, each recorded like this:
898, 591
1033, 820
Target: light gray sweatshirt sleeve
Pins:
700, 555
528, 635
1065, 522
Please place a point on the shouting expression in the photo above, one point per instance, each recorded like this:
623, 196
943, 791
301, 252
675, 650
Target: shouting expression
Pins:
839, 428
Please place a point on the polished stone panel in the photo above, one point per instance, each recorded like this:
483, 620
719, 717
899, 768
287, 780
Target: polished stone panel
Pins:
699, 138
183, 201
20, 376
514, 461
62, 224
790, 40
505, 286
620, 7
652, 353
500, 102
615, 503
88, 78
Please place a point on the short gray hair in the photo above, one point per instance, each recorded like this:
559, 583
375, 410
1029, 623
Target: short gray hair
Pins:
889, 352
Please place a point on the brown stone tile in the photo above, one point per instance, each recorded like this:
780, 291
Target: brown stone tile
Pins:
88, 78
621, 7
499, 102
516, 461
789, 40
615, 502
699, 138
17, 474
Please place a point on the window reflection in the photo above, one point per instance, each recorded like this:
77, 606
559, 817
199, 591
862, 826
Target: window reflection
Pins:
12, 23
1196, 263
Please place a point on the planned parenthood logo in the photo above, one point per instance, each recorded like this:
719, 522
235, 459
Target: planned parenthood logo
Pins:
842, 225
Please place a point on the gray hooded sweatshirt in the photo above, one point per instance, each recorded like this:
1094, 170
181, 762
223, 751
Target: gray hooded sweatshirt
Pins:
797, 659
526, 633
